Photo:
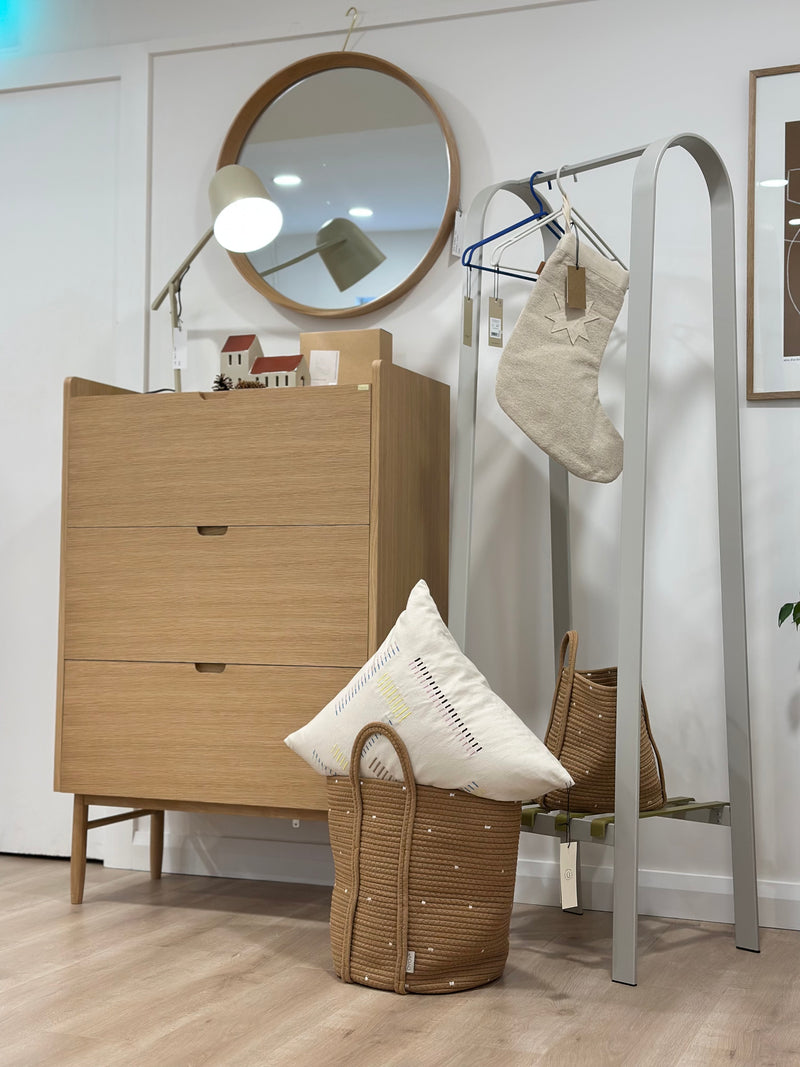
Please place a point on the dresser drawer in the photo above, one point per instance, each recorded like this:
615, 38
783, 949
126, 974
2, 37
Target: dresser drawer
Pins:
279, 595
168, 732
246, 457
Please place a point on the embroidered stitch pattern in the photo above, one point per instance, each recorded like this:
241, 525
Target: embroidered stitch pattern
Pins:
328, 771
379, 770
443, 705
381, 659
340, 757
398, 709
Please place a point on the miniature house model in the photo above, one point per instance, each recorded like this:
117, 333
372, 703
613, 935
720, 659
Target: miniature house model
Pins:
238, 355
280, 370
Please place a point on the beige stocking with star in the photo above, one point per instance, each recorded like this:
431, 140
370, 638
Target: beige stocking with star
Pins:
547, 377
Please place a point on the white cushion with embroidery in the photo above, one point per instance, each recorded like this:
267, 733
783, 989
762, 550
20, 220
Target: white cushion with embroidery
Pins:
459, 733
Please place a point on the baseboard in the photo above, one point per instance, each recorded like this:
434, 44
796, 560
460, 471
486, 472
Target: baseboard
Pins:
229, 857
670, 894
663, 893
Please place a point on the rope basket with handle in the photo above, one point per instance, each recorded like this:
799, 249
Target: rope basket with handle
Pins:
424, 879
582, 735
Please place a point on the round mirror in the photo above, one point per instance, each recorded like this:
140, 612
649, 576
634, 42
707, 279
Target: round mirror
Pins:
364, 167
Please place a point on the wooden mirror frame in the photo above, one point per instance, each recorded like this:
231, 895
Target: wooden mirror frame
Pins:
266, 95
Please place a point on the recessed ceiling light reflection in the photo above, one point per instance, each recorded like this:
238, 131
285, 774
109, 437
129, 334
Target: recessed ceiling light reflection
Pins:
774, 183
287, 179
360, 212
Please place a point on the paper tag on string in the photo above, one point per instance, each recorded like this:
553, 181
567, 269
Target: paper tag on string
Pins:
180, 350
467, 337
576, 288
457, 246
495, 322
569, 875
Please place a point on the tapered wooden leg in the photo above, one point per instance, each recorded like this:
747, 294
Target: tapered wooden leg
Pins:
156, 843
77, 865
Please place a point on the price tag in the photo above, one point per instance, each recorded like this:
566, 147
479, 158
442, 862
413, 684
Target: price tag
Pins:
576, 288
569, 875
467, 337
457, 246
180, 350
495, 322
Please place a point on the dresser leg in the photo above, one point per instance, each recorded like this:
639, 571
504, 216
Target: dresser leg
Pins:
77, 864
156, 843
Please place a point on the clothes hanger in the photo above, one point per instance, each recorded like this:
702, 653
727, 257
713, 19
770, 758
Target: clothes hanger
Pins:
571, 217
466, 256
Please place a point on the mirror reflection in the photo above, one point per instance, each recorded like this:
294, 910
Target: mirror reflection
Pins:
363, 169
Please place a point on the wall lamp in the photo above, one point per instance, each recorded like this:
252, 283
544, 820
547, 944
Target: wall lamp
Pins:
245, 218
348, 254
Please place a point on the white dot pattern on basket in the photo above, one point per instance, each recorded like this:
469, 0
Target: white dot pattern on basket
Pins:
455, 868
452, 983
487, 827
422, 902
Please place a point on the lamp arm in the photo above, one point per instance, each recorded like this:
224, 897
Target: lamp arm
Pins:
175, 280
303, 255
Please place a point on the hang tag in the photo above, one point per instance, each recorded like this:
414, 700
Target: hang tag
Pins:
467, 338
457, 246
569, 875
410, 961
495, 322
180, 350
576, 287
540, 268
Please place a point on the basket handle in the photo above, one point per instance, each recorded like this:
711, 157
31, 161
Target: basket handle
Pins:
409, 812
562, 695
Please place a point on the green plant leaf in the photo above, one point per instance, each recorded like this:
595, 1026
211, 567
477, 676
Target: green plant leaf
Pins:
784, 613
796, 614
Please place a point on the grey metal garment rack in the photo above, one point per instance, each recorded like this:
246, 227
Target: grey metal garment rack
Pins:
624, 834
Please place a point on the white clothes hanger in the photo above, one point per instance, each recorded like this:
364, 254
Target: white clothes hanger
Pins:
571, 217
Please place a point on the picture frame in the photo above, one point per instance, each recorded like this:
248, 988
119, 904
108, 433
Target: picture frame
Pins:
773, 235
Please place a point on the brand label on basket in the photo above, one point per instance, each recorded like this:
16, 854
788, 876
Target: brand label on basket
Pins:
569, 875
410, 962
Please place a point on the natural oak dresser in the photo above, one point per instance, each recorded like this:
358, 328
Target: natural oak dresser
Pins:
229, 561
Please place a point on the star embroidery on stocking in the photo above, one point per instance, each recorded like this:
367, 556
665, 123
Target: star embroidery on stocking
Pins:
575, 327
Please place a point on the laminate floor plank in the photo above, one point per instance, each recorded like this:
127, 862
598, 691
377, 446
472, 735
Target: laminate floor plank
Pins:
216, 972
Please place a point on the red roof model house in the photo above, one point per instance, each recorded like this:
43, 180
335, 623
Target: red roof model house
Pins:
280, 370
238, 355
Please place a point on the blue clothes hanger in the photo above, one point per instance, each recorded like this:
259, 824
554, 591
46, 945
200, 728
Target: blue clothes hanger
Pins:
466, 256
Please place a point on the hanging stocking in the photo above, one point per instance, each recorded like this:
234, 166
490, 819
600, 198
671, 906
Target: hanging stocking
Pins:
547, 377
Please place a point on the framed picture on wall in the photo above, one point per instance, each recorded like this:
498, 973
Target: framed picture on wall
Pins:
773, 235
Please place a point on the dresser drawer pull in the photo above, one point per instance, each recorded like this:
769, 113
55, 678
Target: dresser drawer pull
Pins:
210, 668
212, 531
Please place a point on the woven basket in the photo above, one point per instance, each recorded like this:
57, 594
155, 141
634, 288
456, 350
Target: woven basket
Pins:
582, 735
424, 880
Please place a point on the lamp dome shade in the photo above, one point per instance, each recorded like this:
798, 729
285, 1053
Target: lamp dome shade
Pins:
245, 218
347, 252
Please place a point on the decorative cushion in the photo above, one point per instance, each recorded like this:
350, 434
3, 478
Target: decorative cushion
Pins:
459, 733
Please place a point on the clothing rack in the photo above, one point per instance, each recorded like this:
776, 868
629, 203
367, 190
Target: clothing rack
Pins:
623, 830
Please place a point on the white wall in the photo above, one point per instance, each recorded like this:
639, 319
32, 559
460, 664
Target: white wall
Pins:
527, 89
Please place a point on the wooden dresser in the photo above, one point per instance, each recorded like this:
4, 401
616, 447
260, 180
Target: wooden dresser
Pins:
229, 560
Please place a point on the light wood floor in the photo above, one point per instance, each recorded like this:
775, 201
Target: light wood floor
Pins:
212, 972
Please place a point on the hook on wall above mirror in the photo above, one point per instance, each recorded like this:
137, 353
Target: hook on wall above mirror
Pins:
346, 138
